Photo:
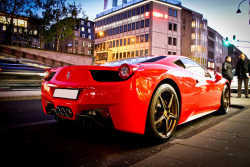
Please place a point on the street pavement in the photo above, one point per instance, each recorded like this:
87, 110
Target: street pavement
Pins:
19, 94
225, 144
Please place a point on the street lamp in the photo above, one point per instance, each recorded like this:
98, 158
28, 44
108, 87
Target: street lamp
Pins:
239, 11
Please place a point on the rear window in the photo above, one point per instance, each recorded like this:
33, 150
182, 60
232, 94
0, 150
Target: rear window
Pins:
135, 60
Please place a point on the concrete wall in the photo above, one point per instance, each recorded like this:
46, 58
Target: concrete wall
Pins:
54, 59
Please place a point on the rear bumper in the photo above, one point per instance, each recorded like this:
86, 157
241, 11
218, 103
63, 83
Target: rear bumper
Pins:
127, 101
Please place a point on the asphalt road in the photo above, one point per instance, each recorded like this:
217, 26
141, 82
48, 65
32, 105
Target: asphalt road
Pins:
28, 137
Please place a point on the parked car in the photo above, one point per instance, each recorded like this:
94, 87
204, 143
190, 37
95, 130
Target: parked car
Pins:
150, 94
234, 84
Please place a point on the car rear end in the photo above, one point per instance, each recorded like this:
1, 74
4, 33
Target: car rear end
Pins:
112, 96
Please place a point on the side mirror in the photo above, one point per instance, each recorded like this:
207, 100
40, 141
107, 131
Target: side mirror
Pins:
218, 77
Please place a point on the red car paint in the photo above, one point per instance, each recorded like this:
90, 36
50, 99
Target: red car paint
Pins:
127, 101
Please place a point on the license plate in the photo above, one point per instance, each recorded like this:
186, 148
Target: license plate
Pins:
66, 93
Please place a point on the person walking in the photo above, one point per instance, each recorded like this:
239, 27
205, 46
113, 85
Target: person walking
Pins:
242, 71
227, 70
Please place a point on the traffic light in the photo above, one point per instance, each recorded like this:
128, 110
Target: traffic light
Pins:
234, 37
226, 41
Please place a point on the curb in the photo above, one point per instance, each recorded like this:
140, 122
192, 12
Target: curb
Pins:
15, 98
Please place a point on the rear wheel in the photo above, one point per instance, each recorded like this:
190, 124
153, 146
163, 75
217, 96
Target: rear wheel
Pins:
163, 113
225, 100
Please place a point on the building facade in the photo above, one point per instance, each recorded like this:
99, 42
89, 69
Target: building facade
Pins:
216, 50
81, 41
144, 27
24, 31
194, 36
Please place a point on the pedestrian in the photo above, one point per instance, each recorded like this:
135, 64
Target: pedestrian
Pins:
227, 70
243, 71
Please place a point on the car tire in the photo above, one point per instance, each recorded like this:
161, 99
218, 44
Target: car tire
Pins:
163, 114
225, 100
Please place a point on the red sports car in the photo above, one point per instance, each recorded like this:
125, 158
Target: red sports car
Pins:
152, 93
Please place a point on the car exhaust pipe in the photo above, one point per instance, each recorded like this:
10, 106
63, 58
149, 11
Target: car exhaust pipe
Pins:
64, 112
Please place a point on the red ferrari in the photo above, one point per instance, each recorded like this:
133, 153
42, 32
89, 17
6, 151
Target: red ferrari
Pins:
152, 93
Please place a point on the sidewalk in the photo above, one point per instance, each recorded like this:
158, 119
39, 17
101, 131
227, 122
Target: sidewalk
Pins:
225, 144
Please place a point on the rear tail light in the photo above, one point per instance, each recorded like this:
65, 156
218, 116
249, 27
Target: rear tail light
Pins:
49, 73
126, 70
46, 73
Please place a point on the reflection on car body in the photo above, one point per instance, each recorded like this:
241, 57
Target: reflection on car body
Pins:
150, 94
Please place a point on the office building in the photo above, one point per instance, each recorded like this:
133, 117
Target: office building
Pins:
194, 36
138, 28
82, 42
216, 51
24, 32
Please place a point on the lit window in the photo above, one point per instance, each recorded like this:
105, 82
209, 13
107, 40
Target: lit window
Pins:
35, 32
199, 48
15, 22
89, 36
89, 45
193, 35
2, 19
15, 29
193, 24
89, 30
82, 28
83, 43
192, 48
